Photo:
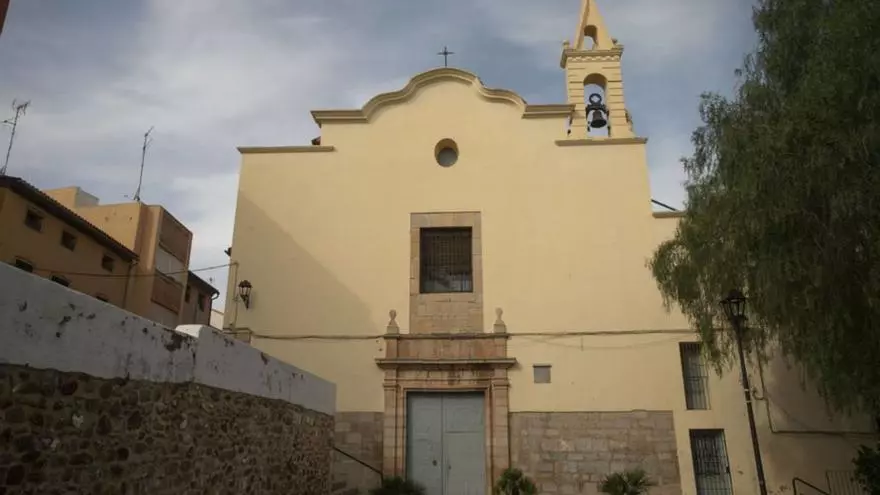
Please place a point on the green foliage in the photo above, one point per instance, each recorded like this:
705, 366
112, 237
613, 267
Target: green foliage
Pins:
398, 486
783, 200
631, 482
514, 482
868, 469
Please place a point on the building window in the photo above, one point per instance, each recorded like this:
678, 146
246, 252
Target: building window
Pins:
107, 263
696, 376
186, 295
24, 265
711, 467
542, 373
60, 280
68, 240
34, 220
201, 302
446, 260
102, 297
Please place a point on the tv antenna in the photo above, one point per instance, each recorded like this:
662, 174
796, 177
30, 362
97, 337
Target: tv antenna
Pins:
20, 109
147, 141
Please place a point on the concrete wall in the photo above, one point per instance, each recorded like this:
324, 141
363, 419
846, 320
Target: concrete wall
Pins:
44, 251
128, 223
96, 399
72, 197
140, 228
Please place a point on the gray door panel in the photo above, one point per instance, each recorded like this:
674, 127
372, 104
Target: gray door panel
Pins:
425, 449
446, 443
466, 470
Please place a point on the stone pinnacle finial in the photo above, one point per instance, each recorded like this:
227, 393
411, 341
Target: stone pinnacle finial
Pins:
500, 326
392, 322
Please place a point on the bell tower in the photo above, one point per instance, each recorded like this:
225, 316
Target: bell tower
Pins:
593, 59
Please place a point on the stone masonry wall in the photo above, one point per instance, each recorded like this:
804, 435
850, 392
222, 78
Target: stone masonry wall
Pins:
67, 432
569, 452
97, 400
360, 435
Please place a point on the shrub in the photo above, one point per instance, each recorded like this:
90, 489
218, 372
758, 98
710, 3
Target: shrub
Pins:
867, 463
396, 485
630, 482
514, 482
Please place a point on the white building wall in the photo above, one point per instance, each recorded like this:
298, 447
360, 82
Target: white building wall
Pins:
47, 326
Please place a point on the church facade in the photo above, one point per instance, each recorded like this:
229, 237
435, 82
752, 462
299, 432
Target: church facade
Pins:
470, 270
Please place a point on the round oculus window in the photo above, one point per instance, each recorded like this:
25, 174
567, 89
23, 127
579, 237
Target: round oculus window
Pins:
446, 153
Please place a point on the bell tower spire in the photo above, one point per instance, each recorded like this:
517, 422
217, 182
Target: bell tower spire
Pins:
592, 60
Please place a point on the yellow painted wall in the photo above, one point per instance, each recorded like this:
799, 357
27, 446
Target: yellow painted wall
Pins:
136, 226
624, 373
131, 225
44, 250
337, 223
566, 234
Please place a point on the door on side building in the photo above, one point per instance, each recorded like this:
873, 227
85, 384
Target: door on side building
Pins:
446, 442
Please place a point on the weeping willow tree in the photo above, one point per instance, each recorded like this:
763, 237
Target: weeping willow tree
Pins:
783, 200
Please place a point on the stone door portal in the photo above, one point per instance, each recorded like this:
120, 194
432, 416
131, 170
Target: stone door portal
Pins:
445, 442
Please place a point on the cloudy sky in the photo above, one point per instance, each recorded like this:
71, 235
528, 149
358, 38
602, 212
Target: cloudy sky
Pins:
211, 75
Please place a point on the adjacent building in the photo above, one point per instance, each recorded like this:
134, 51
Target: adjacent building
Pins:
198, 297
470, 270
40, 235
154, 285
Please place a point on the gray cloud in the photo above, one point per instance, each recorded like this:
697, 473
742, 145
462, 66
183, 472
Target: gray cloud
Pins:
211, 75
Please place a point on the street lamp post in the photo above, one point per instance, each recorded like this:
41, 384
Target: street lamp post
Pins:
735, 309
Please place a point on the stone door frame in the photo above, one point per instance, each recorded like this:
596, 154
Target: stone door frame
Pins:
446, 363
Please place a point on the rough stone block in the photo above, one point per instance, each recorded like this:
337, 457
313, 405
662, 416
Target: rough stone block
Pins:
134, 436
570, 452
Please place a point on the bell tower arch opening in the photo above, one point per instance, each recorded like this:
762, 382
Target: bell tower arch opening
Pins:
591, 37
592, 64
595, 111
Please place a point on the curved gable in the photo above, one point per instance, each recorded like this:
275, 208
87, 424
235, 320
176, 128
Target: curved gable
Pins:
431, 77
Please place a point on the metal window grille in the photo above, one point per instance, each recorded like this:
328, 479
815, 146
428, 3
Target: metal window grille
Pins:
446, 260
711, 466
696, 376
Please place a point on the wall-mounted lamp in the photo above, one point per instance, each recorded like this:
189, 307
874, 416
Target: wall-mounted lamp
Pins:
244, 292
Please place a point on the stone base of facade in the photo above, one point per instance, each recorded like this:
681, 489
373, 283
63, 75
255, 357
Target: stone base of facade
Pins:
358, 434
570, 452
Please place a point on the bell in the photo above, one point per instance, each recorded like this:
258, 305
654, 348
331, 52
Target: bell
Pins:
598, 121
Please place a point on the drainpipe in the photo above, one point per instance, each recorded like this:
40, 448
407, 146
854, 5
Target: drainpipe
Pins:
232, 325
128, 281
